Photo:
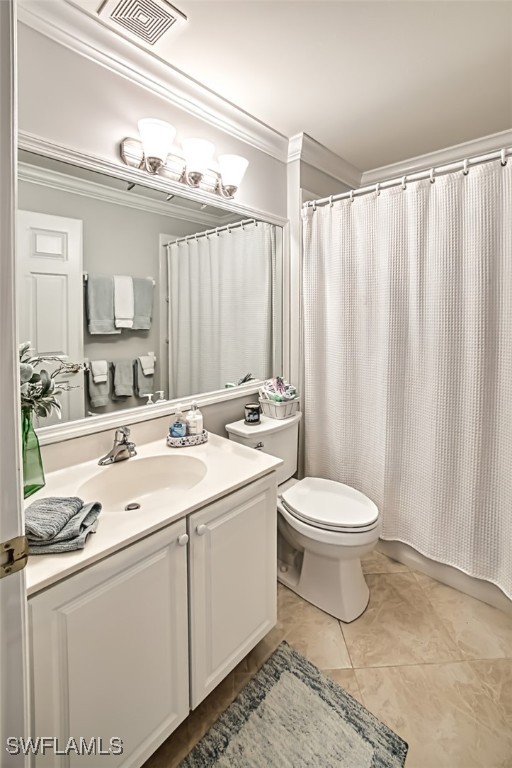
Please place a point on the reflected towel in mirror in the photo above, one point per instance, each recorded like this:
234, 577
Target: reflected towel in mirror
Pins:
100, 305
98, 393
144, 370
99, 370
143, 303
123, 301
123, 378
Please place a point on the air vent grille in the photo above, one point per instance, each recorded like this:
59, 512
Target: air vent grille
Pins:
147, 20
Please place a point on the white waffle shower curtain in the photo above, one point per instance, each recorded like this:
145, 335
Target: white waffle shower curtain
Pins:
220, 308
408, 361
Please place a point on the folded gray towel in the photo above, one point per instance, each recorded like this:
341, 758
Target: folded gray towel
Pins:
100, 305
46, 517
98, 393
143, 384
123, 378
74, 527
143, 303
82, 527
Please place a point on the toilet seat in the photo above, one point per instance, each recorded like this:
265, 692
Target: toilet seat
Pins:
330, 505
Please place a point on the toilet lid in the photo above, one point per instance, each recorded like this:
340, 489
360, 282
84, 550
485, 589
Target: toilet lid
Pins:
331, 505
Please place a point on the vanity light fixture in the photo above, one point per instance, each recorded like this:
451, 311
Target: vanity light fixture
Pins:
157, 137
232, 169
194, 166
198, 159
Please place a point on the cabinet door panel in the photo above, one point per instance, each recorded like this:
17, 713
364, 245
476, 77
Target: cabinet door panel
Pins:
110, 652
232, 582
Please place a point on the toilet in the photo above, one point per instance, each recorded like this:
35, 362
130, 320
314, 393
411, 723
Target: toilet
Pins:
324, 527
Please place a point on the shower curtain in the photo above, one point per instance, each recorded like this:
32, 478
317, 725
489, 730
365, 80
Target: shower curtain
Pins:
220, 308
408, 361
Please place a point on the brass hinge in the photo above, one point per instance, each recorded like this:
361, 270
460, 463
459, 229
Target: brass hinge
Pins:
16, 551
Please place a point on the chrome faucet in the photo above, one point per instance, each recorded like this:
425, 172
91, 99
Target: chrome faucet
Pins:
121, 450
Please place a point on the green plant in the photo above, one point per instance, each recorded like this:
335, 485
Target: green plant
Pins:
39, 389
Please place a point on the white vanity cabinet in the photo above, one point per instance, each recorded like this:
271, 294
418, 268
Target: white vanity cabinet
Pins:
232, 581
110, 652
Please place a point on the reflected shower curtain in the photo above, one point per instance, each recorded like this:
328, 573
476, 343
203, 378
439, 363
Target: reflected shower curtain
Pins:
220, 308
408, 361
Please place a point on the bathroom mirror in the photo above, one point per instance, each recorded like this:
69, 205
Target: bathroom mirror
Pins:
155, 293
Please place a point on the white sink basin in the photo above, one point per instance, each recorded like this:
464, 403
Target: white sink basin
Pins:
147, 482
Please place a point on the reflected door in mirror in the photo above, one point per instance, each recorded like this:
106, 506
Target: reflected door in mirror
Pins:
50, 298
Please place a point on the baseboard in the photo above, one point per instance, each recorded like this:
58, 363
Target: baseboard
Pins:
482, 590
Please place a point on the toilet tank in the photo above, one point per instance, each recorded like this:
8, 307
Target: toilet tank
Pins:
278, 437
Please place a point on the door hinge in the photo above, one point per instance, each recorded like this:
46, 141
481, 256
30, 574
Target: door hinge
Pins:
16, 551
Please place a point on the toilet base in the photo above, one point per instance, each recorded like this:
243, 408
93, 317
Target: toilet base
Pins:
320, 582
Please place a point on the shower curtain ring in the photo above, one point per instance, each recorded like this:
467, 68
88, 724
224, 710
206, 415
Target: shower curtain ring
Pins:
351, 195
432, 179
465, 171
404, 182
377, 188
314, 205
503, 157
330, 201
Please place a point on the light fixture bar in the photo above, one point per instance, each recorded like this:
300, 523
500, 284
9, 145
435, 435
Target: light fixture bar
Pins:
154, 152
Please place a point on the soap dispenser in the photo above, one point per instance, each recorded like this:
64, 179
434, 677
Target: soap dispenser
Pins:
195, 420
178, 427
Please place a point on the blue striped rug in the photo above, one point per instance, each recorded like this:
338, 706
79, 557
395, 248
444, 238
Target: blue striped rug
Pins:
291, 716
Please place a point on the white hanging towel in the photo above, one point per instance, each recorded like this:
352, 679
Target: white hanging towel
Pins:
147, 363
123, 301
99, 370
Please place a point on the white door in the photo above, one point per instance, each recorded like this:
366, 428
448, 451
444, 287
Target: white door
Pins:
232, 581
50, 298
110, 653
13, 663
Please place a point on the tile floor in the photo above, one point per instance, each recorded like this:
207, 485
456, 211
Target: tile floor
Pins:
432, 663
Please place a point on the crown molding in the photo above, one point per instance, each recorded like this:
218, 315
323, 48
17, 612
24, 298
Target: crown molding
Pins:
446, 156
32, 143
302, 147
63, 182
77, 30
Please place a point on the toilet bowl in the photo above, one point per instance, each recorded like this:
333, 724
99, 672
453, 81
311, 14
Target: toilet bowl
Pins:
324, 527
319, 554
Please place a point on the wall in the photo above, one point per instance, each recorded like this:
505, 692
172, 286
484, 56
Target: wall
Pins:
319, 184
116, 240
75, 102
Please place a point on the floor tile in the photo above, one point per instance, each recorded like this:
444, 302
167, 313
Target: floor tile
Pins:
480, 631
347, 680
399, 626
448, 715
319, 638
376, 562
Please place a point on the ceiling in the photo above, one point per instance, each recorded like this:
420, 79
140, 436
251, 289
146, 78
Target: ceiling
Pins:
375, 82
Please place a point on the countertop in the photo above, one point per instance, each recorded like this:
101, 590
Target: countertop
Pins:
230, 466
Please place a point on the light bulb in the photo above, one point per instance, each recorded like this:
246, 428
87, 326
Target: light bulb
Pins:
232, 169
157, 137
198, 158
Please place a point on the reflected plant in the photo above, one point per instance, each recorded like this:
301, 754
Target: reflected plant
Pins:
40, 390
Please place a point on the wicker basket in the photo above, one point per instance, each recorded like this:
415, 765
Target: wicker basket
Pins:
277, 410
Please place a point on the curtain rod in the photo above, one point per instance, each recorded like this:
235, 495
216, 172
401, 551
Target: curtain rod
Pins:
417, 176
227, 227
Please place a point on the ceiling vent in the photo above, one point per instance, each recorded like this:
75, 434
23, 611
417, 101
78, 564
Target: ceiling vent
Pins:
144, 20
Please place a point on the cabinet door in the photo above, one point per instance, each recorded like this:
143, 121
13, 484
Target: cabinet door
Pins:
232, 579
110, 653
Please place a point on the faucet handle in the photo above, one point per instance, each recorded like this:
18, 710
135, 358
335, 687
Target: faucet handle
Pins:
124, 432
